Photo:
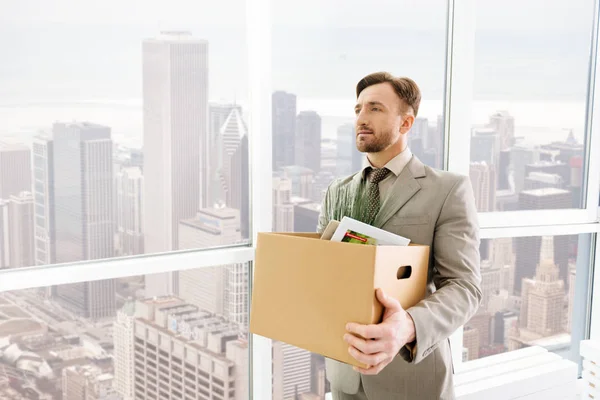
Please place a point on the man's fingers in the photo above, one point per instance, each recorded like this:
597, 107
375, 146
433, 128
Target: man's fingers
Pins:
366, 331
387, 301
366, 346
369, 359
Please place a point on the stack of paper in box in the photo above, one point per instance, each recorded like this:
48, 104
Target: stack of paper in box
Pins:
590, 351
307, 287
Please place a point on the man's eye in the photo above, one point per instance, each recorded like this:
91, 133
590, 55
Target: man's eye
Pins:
375, 109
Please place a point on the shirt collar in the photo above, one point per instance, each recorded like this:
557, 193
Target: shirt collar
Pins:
395, 165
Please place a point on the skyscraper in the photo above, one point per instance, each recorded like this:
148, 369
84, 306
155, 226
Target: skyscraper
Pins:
283, 129
83, 196
528, 248
175, 87
4, 238
45, 229
130, 192
15, 169
306, 217
520, 156
485, 146
185, 352
483, 178
217, 115
346, 149
123, 334
283, 209
21, 236
308, 141
235, 178
291, 371
503, 123
222, 290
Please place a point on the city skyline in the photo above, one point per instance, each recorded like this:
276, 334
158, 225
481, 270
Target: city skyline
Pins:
76, 193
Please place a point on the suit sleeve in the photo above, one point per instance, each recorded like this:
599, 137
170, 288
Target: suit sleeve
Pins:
456, 276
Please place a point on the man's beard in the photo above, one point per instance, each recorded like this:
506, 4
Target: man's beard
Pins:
375, 145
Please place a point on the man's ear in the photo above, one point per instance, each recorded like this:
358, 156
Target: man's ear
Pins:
407, 123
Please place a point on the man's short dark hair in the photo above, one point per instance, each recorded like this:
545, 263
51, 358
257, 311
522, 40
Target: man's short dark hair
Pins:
406, 89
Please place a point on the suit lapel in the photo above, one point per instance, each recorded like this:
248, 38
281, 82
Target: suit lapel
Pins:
404, 188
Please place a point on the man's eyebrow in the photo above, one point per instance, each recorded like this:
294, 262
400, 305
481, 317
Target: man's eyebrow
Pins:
371, 103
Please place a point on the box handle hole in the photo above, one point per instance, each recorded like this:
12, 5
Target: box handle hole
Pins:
404, 272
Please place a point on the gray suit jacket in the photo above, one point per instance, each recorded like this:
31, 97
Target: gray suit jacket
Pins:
434, 208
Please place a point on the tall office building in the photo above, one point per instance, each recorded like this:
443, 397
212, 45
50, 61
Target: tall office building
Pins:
123, 336
181, 351
546, 300
483, 178
308, 141
175, 92
83, 197
306, 217
15, 169
291, 371
283, 129
130, 210
346, 150
503, 123
283, 209
471, 343
222, 290
4, 235
235, 177
521, 155
21, 232
528, 248
217, 115
43, 193
491, 281
570, 298
485, 146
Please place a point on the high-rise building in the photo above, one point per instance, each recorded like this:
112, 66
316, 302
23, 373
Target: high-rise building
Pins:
217, 115
528, 248
15, 169
291, 371
182, 351
302, 180
123, 340
4, 235
485, 146
20, 231
491, 280
503, 123
418, 138
222, 290
541, 180
346, 150
130, 210
483, 178
306, 217
570, 298
471, 343
283, 129
308, 141
521, 155
45, 230
175, 92
283, 209
234, 171
83, 198
546, 301
503, 170
481, 322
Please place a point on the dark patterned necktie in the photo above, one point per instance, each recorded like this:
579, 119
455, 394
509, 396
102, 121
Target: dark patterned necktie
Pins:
374, 176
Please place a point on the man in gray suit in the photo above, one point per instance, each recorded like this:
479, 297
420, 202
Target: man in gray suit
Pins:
409, 351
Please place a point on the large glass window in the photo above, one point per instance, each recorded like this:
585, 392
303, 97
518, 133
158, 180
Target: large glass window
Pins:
109, 337
128, 130
528, 139
318, 58
535, 293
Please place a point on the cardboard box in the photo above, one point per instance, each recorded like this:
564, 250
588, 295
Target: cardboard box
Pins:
306, 289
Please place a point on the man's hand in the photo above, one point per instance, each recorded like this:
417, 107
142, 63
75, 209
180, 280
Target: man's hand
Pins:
383, 341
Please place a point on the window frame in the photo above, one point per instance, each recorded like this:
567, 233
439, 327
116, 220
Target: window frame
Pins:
457, 119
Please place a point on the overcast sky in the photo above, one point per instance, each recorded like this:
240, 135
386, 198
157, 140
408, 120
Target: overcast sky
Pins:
427, 14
